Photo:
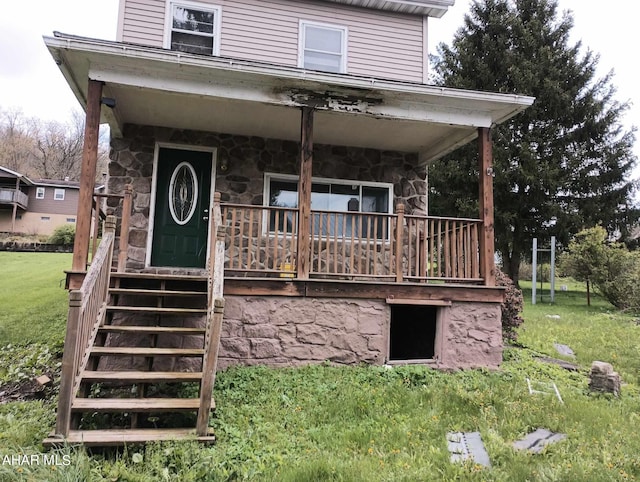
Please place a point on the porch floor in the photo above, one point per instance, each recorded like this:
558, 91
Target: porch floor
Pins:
324, 288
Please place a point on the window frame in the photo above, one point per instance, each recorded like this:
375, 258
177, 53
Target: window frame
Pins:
302, 38
266, 195
206, 7
58, 191
40, 192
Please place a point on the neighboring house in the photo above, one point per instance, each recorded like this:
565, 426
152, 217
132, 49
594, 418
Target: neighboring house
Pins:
35, 206
313, 120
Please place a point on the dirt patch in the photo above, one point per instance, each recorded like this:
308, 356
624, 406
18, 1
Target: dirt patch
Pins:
25, 390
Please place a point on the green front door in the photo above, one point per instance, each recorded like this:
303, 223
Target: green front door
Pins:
181, 219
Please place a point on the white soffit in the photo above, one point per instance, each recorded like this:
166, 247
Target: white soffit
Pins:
431, 8
155, 86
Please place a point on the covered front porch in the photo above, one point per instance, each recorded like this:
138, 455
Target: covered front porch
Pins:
273, 204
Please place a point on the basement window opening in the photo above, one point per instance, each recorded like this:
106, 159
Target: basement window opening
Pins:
412, 332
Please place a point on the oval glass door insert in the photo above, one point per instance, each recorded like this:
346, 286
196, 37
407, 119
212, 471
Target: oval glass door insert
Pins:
183, 193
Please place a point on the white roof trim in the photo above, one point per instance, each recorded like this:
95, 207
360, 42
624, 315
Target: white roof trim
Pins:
16, 174
431, 8
369, 112
409, 91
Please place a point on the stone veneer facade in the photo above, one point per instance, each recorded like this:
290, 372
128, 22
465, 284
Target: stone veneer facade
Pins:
247, 160
286, 331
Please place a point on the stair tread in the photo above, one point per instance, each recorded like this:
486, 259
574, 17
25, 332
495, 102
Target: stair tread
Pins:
154, 309
158, 292
114, 437
151, 329
145, 351
135, 404
132, 376
154, 276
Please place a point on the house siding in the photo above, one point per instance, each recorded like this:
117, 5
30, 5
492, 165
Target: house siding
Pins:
380, 44
33, 223
49, 205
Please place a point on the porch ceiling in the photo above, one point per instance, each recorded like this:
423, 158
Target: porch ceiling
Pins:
158, 87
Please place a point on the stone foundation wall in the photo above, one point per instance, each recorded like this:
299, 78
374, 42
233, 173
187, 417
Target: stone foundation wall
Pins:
282, 331
290, 331
246, 160
470, 336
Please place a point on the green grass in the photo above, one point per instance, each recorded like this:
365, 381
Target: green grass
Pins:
326, 423
33, 301
598, 332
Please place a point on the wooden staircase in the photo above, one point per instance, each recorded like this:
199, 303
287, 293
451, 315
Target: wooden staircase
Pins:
146, 363
141, 351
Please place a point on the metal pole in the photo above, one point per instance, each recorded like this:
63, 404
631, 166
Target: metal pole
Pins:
553, 269
534, 269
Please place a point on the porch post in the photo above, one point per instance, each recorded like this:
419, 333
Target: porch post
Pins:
14, 212
87, 177
487, 249
304, 193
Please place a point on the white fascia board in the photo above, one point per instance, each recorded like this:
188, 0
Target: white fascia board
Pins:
432, 8
263, 91
148, 67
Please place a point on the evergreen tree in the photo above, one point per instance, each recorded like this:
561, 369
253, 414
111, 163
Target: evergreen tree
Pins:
561, 165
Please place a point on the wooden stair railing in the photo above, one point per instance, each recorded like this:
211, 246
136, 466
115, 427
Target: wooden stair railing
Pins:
156, 321
87, 308
215, 313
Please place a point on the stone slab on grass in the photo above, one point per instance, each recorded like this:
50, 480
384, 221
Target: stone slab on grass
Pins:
564, 350
536, 441
467, 446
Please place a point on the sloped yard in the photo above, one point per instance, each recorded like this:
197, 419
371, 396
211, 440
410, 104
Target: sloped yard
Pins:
376, 424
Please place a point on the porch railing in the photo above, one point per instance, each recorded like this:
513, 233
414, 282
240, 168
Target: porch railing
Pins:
87, 308
127, 203
261, 241
13, 195
215, 313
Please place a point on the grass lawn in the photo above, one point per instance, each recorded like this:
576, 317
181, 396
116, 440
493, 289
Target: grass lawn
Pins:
33, 301
326, 423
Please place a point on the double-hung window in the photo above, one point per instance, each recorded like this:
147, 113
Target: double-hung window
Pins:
193, 28
58, 195
39, 193
339, 207
323, 47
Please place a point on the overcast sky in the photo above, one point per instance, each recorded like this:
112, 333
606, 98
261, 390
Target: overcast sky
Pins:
30, 81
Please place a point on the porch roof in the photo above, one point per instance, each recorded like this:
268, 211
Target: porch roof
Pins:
153, 86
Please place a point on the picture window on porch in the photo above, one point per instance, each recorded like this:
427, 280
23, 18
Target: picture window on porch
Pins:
193, 28
412, 332
323, 47
39, 193
343, 197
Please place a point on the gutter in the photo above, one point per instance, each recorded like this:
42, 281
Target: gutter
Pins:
64, 42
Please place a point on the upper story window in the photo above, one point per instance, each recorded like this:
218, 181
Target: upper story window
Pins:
193, 28
39, 193
58, 195
323, 47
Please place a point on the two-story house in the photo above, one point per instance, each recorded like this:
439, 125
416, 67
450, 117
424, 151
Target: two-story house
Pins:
314, 122
38, 206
